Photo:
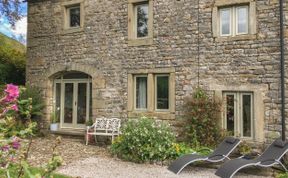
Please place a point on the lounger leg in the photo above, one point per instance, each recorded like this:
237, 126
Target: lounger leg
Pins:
279, 162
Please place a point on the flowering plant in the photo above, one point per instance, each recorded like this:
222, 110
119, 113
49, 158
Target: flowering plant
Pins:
9, 101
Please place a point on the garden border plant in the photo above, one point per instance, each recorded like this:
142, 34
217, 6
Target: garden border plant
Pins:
202, 116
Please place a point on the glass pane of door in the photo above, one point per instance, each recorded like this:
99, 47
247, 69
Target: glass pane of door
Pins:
230, 113
81, 103
58, 101
68, 103
246, 114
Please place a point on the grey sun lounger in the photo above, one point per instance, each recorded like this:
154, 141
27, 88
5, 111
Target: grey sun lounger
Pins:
271, 156
220, 153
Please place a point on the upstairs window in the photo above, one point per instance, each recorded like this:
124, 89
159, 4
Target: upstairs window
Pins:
234, 20
74, 16
140, 22
141, 17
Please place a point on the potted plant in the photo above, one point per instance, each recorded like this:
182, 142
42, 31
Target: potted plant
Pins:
54, 121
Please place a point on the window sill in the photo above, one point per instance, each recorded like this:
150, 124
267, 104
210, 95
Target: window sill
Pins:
163, 115
140, 42
235, 38
72, 30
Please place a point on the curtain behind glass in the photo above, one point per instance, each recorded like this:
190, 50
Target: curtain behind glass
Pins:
141, 92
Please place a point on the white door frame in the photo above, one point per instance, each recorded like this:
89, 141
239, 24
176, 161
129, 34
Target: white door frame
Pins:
75, 83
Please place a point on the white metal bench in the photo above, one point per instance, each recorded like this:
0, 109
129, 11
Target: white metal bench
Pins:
104, 127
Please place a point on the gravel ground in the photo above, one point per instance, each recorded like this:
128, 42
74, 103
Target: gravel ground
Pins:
95, 162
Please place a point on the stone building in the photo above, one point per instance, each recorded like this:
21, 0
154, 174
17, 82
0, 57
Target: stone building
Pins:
127, 58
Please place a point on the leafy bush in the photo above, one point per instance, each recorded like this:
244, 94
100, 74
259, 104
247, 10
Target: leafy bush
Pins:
202, 113
30, 99
145, 140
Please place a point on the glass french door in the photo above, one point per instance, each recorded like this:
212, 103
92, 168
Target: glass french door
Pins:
73, 102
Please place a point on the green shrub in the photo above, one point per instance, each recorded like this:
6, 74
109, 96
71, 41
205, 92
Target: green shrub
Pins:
145, 140
30, 99
202, 114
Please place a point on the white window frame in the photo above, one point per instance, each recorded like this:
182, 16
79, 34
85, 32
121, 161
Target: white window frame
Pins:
155, 89
247, 20
238, 112
135, 93
233, 20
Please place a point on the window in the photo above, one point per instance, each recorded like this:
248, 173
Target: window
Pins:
236, 19
238, 115
162, 92
151, 91
141, 17
140, 22
141, 92
73, 15
233, 21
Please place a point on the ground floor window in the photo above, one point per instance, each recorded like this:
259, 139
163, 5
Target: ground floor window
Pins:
151, 91
238, 114
73, 99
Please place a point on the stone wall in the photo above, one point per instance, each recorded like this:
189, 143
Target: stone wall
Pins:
101, 50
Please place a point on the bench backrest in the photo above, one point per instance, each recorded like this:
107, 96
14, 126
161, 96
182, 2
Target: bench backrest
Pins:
107, 125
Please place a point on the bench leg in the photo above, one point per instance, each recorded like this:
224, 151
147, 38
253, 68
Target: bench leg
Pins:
95, 138
87, 139
112, 138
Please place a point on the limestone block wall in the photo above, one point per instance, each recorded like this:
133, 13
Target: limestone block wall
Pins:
183, 40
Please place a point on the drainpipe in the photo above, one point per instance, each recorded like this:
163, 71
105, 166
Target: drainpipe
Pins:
282, 68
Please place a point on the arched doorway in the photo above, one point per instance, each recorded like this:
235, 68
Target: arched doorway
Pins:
72, 99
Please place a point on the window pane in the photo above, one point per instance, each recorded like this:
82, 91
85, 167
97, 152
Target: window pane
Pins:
90, 101
141, 92
81, 105
142, 20
58, 101
74, 17
162, 92
230, 113
242, 20
68, 103
246, 106
225, 21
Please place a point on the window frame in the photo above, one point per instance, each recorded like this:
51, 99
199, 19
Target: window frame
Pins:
238, 112
68, 11
135, 20
230, 21
132, 23
236, 20
135, 93
252, 20
66, 6
155, 91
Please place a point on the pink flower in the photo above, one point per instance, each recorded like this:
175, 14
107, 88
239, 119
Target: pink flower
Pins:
14, 107
5, 148
12, 92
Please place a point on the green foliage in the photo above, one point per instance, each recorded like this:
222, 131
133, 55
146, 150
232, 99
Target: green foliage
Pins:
244, 148
12, 127
145, 140
202, 113
30, 100
12, 61
32, 170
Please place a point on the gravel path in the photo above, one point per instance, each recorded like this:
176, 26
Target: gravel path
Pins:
99, 167
95, 162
